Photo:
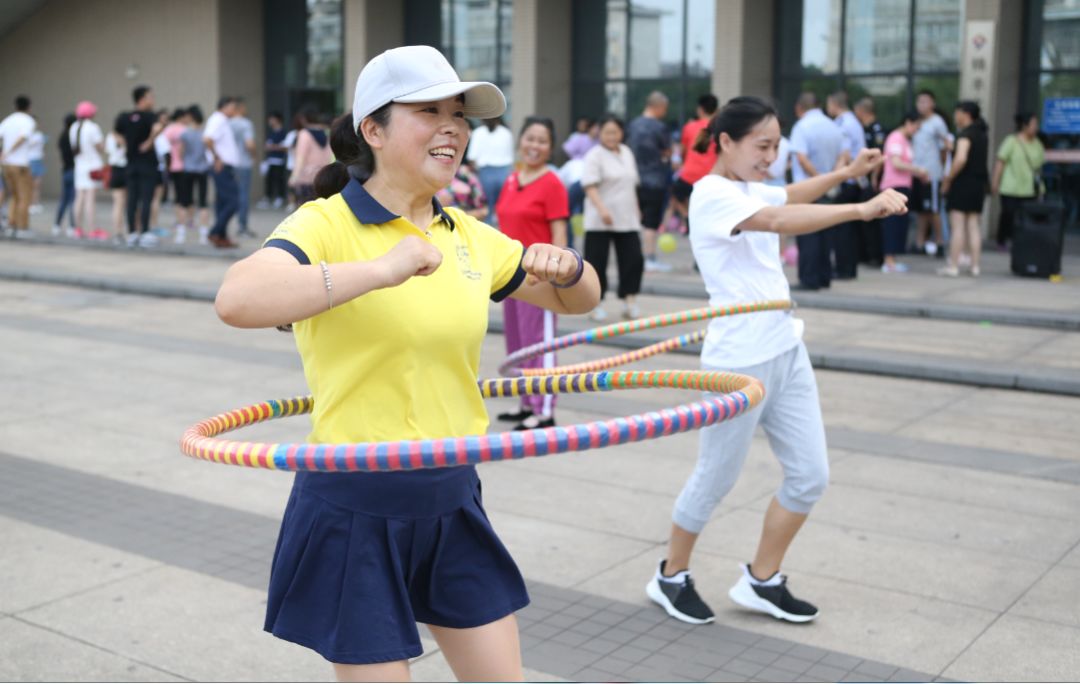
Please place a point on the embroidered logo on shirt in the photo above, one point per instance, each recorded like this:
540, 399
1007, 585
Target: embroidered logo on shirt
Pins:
465, 263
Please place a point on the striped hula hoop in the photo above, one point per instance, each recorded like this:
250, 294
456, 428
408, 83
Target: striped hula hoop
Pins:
731, 395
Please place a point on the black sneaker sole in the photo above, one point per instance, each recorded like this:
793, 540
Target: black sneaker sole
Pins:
652, 590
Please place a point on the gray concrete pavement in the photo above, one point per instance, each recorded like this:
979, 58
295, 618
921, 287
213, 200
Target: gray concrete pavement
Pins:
946, 546
881, 335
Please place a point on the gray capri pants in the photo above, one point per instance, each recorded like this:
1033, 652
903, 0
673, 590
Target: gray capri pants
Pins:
791, 417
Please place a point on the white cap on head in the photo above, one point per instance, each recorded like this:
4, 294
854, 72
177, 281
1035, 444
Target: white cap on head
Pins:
418, 73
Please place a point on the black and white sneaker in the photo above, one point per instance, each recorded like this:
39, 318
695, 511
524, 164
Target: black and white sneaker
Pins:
677, 596
772, 597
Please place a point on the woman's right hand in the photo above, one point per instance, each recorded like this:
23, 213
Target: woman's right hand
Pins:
606, 218
888, 203
413, 256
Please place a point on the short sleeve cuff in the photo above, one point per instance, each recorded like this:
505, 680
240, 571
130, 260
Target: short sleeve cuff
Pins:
291, 248
514, 283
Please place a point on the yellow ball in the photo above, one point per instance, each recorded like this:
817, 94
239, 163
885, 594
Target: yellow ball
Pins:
577, 224
667, 243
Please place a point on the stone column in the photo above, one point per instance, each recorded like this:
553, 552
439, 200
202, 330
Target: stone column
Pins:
370, 27
743, 62
541, 71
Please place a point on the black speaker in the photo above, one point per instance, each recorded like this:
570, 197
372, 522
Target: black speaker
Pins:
1038, 239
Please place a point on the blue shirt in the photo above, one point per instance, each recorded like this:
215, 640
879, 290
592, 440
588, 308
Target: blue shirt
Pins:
819, 138
854, 135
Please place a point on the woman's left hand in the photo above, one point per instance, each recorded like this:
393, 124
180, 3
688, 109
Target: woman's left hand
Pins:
549, 263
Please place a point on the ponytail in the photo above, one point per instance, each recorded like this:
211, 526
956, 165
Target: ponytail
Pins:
737, 118
353, 156
704, 138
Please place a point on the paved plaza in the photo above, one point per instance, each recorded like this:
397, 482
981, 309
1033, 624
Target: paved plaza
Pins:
946, 547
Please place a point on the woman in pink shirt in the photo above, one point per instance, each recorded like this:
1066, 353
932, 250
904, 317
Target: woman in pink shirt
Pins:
312, 153
898, 174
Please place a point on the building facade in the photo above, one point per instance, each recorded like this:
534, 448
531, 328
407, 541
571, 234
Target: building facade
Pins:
562, 58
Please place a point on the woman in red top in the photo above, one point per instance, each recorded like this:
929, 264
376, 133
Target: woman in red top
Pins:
533, 207
695, 164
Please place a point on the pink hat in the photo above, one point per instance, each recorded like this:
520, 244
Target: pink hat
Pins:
85, 109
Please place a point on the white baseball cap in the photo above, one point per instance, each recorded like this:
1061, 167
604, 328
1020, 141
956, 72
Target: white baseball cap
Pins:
418, 73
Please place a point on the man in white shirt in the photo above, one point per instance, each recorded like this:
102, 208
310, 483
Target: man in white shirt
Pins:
15, 132
843, 239
929, 146
222, 149
491, 152
818, 147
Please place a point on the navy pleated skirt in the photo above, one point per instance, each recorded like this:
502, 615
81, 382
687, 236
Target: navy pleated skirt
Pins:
363, 557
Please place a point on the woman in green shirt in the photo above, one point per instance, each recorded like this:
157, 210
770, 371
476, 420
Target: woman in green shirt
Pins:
1016, 173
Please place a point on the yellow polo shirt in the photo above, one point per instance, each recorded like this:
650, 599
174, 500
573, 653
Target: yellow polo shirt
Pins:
402, 362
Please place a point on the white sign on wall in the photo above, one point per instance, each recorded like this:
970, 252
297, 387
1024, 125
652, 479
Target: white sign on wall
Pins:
977, 66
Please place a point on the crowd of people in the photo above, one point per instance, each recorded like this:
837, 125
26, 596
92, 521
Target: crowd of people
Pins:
151, 156
625, 182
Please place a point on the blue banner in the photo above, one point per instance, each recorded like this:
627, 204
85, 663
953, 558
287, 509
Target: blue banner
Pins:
1061, 115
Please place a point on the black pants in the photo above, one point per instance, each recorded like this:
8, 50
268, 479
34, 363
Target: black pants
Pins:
815, 266
140, 195
843, 239
275, 182
869, 234
1010, 208
627, 254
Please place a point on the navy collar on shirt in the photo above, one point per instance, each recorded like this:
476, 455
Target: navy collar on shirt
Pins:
368, 210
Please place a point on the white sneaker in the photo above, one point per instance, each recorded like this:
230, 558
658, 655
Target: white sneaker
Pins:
772, 598
36, 209
632, 312
948, 271
931, 249
653, 265
204, 235
181, 235
57, 231
148, 240
133, 240
975, 271
598, 314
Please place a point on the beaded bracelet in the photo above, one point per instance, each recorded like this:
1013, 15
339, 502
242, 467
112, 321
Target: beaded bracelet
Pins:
329, 285
577, 275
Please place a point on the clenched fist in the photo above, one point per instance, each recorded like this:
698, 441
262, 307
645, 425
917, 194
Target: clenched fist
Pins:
888, 203
413, 256
549, 263
867, 160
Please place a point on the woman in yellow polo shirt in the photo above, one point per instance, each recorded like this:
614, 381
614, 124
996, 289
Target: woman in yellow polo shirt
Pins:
388, 292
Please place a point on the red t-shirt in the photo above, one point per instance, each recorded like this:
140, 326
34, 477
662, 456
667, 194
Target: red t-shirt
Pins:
526, 212
695, 164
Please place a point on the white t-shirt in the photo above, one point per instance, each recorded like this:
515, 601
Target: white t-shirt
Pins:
290, 142
15, 126
115, 150
162, 147
491, 148
220, 133
740, 268
86, 136
36, 146
778, 169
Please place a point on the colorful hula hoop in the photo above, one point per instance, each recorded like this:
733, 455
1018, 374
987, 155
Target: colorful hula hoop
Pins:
732, 395
510, 365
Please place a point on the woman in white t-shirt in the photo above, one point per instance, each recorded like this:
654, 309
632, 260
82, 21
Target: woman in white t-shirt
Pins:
738, 220
611, 216
88, 145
